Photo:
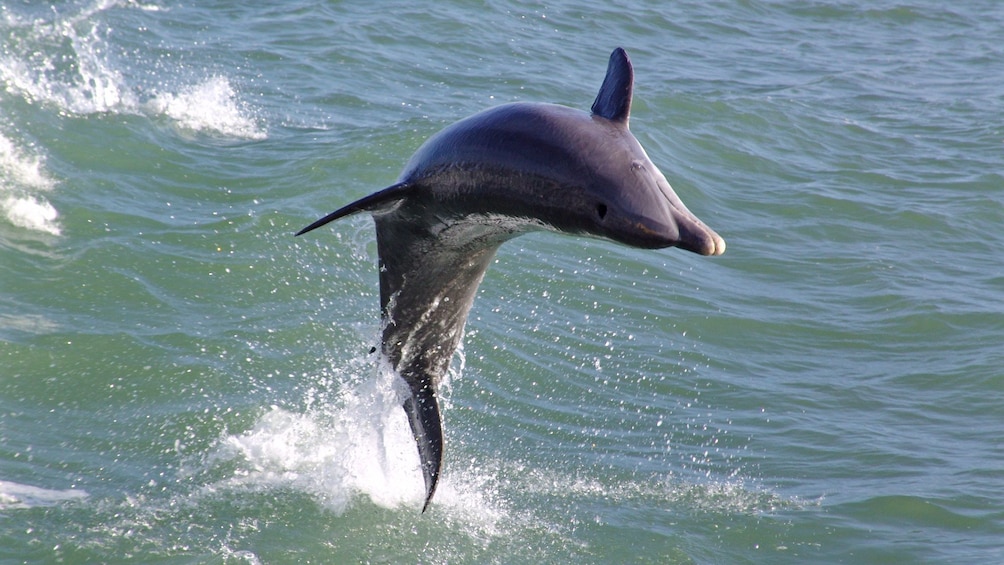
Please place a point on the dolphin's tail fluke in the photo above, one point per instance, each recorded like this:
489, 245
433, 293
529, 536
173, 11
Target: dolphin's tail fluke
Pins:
423, 415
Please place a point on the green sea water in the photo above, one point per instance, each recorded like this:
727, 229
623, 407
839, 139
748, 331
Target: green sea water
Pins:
183, 381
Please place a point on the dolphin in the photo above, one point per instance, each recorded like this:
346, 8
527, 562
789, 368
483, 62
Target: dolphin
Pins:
490, 177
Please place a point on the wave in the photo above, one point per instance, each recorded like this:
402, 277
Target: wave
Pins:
67, 62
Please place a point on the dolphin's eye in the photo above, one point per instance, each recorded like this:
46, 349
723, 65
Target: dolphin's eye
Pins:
601, 210
637, 165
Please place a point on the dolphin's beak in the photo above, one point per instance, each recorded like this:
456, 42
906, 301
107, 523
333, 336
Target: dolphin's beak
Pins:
695, 236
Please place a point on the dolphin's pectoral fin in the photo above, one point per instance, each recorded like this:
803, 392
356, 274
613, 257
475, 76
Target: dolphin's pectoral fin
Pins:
423, 415
613, 102
386, 197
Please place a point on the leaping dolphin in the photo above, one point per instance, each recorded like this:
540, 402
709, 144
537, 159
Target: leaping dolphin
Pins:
500, 173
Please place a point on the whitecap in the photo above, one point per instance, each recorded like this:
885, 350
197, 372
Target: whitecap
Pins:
22, 169
211, 106
22, 178
30, 213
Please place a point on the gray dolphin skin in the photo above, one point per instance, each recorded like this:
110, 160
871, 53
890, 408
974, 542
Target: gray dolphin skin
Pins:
488, 178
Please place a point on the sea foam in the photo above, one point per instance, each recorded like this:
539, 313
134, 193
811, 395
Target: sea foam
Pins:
17, 495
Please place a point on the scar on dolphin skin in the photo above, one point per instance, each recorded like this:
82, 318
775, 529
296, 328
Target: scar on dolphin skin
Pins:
476, 184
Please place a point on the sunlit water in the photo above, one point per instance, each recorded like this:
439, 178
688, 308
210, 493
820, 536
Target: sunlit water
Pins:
183, 381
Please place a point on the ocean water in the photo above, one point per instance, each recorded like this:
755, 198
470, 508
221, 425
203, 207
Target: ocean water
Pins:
183, 381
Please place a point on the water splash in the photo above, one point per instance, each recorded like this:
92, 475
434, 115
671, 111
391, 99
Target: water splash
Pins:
360, 444
354, 447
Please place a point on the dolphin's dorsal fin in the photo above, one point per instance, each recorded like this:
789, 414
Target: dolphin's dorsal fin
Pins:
614, 99
375, 201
